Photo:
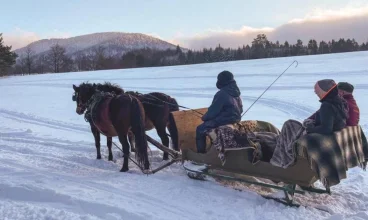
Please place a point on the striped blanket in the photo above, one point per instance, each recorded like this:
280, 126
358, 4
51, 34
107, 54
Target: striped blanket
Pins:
284, 153
330, 156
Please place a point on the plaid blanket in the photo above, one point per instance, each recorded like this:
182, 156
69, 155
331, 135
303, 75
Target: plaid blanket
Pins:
331, 156
241, 136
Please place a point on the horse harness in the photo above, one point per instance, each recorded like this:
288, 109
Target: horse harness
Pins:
98, 112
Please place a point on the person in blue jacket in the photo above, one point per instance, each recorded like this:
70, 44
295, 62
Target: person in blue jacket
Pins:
226, 108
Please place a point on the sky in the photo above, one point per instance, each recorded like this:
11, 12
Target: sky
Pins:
191, 23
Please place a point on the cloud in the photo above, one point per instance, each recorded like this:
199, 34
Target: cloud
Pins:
347, 22
19, 38
227, 38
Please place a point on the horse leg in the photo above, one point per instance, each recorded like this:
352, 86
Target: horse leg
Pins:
161, 131
96, 135
124, 142
109, 145
131, 141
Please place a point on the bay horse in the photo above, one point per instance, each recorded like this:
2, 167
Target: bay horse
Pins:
157, 107
114, 115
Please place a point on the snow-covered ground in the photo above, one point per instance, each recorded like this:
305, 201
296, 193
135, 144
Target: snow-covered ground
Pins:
48, 168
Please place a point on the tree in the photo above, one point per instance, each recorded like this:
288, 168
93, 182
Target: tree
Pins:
259, 46
129, 60
190, 57
323, 48
57, 58
140, 60
7, 58
286, 49
41, 64
239, 55
178, 50
299, 47
100, 58
312, 46
29, 59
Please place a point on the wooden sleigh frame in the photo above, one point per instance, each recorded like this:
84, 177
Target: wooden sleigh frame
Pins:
238, 168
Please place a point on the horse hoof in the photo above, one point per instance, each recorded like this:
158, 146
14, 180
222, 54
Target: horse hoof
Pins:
110, 159
165, 158
98, 158
124, 169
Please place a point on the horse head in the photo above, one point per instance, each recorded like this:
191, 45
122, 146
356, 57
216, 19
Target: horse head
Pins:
82, 94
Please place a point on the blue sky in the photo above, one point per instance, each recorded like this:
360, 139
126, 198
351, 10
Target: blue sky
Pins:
164, 18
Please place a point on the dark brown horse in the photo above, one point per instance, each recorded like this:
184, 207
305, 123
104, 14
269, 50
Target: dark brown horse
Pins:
157, 107
114, 115
106, 87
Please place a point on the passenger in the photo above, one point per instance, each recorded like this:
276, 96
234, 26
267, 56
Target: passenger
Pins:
226, 108
346, 91
330, 117
333, 113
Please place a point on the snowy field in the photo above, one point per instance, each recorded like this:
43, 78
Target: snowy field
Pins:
48, 168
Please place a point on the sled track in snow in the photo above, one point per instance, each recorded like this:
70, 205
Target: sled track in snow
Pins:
79, 172
35, 120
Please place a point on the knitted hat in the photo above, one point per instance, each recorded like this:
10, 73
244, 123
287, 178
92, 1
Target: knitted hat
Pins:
224, 78
324, 87
347, 87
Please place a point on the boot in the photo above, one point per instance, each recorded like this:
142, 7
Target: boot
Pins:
201, 145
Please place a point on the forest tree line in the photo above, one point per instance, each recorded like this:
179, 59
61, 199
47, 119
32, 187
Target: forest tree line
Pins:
57, 60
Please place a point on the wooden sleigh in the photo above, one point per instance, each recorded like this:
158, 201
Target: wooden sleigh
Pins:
237, 166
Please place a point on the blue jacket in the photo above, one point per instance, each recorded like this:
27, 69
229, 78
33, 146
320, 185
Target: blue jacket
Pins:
226, 107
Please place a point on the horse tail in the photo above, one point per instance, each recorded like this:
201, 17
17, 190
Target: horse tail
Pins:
139, 133
171, 124
173, 133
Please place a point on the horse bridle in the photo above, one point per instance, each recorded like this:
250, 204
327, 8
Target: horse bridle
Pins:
75, 99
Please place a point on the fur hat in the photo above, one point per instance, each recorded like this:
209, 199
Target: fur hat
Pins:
347, 87
224, 78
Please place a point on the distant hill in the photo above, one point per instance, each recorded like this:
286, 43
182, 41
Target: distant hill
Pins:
114, 43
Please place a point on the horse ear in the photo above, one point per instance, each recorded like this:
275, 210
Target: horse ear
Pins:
75, 88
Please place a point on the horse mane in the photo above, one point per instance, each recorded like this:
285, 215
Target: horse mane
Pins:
86, 85
109, 87
134, 93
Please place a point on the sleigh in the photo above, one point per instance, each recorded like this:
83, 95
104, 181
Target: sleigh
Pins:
238, 167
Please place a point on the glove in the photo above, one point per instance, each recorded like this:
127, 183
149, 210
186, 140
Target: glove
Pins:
308, 123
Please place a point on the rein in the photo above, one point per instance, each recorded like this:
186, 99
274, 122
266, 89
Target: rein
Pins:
176, 105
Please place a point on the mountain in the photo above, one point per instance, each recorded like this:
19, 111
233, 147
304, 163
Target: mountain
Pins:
113, 42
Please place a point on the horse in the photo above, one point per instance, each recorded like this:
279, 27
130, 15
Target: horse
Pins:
114, 115
157, 107
106, 87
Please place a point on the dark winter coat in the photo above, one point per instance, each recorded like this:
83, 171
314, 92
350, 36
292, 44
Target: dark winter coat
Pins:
331, 116
226, 107
354, 113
